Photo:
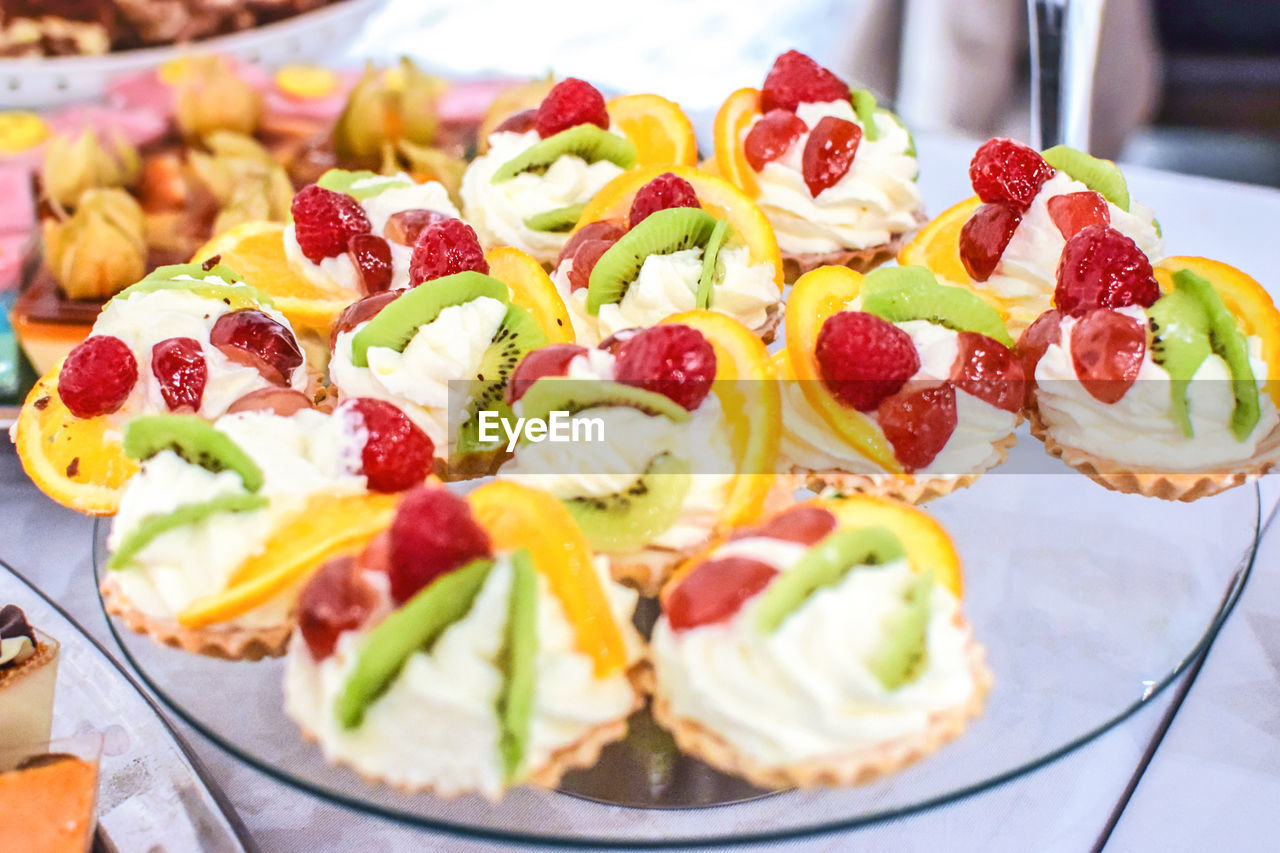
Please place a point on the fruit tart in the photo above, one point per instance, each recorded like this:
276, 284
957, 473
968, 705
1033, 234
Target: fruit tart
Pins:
835, 174
28, 676
477, 645
895, 383
225, 521
443, 350
187, 338
1006, 243
543, 165
1161, 381
657, 242
824, 646
653, 440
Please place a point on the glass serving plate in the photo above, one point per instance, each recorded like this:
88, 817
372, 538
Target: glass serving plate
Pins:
1089, 603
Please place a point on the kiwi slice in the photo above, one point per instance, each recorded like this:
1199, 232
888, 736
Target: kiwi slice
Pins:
1181, 344
396, 324
899, 294
901, 655
517, 335
587, 141
237, 295
1229, 342
660, 233
416, 625
343, 181
519, 665
864, 104
710, 254
154, 525
557, 394
1101, 176
629, 519
560, 219
195, 440
825, 564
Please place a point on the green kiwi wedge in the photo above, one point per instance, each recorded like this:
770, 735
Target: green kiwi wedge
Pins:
557, 394
517, 335
710, 254
195, 440
825, 564
237, 294
902, 654
519, 665
343, 181
396, 324
587, 141
1101, 176
899, 294
660, 233
415, 626
630, 519
1230, 343
154, 525
864, 104
560, 219
1180, 344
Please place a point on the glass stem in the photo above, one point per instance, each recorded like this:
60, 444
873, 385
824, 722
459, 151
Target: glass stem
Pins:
1064, 55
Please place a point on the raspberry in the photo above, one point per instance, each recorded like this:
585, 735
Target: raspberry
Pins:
771, 137
806, 525
1102, 268
670, 359
324, 222
796, 79
570, 102
989, 370
663, 192
551, 360
433, 533
1007, 171
444, 248
984, 237
603, 229
1073, 211
178, 365
918, 423
397, 453
829, 153
97, 376
521, 122
336, 599
1107, 349
372, 258
715, 591
864, 358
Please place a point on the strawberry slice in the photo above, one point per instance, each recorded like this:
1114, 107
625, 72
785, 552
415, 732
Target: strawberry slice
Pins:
985, 236
918, 423
1107, 349
771, 137
989, 370
829, 153
1073, 211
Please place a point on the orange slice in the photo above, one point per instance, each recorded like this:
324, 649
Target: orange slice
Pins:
733, 117
519, 517
752, 404
659, 129
255, 250
532, 289
815, 296
719, 197
937, 247
79, 462
928, 544
1245, 298
328, 526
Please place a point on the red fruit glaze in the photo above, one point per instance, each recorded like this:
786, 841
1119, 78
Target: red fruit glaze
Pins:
253, 338
1106, 351
397, 453
279, 401
796, 79
570, 102
337, 598
433, 534
1003, 170
990, 371
715, 591
603, 229
663, 192
444, 248
1035, 339
918, 422
1073, 211
324, 222
864, 358
97, 376
372, 258
359, 311
829, 153
803, 524
771, 137
984, 237
584, 261
178, 365
521, 122
406, 226
669, 359
551, 360
1102, 268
